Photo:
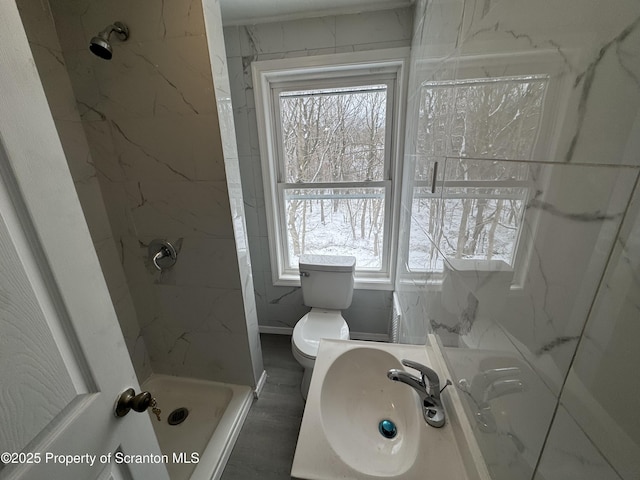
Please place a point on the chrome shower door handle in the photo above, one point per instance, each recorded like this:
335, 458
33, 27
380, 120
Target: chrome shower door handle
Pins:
434, 178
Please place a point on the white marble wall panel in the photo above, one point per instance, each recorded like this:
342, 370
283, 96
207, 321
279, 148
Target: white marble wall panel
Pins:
145, 79
305, 37
510, 420
173, 208
161, 149
38, 21
374, 28
601, 391
218, 59
569, 455
413, 326
579, 213
200, 258
596, 46
151, 121
151, 21
601, 48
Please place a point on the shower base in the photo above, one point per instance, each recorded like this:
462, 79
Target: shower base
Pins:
199, 447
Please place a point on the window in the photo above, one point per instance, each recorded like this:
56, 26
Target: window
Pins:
328, 137
478, 209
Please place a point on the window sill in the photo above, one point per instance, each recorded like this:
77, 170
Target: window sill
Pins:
362, 282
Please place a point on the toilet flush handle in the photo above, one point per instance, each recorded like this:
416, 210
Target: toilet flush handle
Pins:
304, 274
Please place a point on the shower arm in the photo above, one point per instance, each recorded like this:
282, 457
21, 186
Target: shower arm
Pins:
118, 27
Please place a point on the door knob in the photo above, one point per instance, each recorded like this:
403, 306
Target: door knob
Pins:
128, 400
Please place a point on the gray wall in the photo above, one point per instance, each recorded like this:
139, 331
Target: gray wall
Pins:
281, 307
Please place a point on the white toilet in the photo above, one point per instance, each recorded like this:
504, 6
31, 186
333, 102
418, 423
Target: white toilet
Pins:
327, 287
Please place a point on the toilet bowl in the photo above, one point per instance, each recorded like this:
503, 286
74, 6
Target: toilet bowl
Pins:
310, 329
327, 287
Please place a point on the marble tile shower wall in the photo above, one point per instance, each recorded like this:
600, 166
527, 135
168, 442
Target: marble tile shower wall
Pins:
565, 334
281, 307
222, 90
39, 25
151, 122
600, 397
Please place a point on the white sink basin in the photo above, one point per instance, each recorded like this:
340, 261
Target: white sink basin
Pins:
349, 396
355, 397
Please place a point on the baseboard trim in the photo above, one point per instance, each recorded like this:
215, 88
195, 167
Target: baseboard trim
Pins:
275, 330
258, 390
372, 337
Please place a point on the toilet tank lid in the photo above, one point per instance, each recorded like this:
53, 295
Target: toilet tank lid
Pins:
327, 263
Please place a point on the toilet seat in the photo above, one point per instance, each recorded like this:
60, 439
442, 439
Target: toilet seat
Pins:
314, 326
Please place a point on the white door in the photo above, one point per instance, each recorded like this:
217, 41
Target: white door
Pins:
63, 361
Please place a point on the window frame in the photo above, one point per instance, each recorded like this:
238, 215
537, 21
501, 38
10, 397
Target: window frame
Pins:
520, 255
467, 68
270, 77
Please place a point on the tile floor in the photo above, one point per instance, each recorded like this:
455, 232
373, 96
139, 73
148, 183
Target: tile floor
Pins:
267, 441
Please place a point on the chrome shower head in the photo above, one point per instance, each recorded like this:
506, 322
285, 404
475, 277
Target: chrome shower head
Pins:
100, 46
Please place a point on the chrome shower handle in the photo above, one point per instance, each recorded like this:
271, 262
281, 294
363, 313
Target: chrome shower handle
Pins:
162, 254
425, 372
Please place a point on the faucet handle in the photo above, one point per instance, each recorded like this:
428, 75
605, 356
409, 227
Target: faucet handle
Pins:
494, 374
432, 376
446, 384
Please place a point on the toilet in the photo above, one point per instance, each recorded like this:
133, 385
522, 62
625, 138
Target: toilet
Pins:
327, 287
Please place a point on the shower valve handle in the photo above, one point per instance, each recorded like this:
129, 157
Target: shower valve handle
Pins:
162, 254
128, 400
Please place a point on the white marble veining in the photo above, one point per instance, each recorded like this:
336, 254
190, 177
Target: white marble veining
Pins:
575, 352
510, 419
38, 21
601, 389
217, 55
570, 455
601, 50
153, 151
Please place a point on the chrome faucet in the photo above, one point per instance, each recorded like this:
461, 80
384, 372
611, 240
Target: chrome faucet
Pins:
489, 385
503, 387
493, 383
428, 388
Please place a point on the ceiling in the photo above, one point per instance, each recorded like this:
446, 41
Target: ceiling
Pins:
248, 12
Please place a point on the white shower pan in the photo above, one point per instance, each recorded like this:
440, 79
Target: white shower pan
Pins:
199, 447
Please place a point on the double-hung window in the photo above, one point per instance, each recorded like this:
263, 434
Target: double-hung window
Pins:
483, 128
328, 136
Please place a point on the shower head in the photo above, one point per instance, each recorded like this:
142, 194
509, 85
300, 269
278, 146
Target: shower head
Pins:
100, 46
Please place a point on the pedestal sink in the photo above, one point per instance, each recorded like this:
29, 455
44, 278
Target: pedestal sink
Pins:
341, 435
355, 397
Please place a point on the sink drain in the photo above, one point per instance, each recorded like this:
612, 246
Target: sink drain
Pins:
178, 416
387, 429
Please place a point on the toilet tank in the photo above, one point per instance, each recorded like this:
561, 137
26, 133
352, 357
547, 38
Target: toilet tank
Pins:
327, 280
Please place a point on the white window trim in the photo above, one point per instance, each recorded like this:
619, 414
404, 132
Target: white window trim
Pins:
268, 73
